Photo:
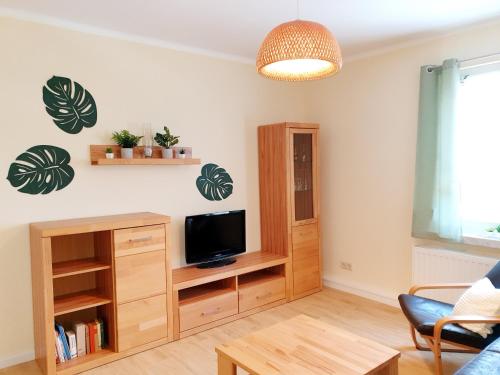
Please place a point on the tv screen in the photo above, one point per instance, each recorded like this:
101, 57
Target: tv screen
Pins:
214, 236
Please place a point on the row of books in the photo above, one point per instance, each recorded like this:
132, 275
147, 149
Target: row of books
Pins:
82, 339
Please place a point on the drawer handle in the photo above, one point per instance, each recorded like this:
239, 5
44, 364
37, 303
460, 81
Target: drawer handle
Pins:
267, 295
141, 239
211, 312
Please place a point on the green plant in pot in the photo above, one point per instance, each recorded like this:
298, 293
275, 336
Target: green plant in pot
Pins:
109, 153
182, 154
127, 141
166, 140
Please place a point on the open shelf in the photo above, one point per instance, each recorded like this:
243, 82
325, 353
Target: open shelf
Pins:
146, 161
78, 266
79, 301
256, 278
206, 291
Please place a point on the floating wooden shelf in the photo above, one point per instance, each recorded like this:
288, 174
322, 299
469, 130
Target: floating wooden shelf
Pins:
79, 301
98, 157
76, 267
144, 161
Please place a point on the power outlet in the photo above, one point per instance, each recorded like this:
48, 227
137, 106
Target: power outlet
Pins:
346, 266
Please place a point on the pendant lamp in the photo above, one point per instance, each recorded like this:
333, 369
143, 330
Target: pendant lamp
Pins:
299, 51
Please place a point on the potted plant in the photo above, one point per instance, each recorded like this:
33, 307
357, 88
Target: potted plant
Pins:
127, 142
109, 153
182, 154
166, 141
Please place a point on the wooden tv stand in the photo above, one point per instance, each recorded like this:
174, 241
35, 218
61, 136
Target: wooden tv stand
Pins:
206, 298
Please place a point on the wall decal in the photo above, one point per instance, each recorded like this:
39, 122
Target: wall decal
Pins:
41, 169
69, 104
214, 184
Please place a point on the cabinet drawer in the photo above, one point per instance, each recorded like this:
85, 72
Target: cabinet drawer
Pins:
142, 321
140, 276
207, 310
139, 240
260, 293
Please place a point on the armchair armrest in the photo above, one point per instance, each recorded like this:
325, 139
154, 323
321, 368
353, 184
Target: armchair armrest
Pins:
415, 288
438, 327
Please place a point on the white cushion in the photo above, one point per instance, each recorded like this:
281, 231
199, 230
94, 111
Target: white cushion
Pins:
482, 298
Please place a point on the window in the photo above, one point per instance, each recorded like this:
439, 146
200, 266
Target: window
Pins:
479, 151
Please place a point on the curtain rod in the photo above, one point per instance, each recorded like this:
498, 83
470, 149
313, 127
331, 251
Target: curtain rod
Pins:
431, 68
480, 57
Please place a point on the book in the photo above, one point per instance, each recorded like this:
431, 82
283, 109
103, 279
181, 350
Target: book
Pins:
103, 336
62, 336
59, 348
79, 329
72, 344
92, 336
87, 339
99, 328
97, 335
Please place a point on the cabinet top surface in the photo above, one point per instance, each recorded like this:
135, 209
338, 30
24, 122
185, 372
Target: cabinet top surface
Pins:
98, 223
299, 125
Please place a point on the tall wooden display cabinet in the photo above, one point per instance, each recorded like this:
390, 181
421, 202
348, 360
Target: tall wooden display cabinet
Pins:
289, 200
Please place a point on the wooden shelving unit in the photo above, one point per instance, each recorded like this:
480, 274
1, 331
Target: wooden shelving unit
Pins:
76, 275
98, 157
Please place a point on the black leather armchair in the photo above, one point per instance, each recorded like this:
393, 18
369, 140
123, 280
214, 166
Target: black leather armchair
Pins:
434, 321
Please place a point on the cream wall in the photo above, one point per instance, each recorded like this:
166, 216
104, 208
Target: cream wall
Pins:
368, 117
214, 105
368, 129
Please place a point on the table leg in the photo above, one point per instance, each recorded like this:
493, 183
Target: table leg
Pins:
225, 365
390, 369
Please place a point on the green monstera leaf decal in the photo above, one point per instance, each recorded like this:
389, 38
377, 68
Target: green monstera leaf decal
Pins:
41, 169
215, 184
69, 104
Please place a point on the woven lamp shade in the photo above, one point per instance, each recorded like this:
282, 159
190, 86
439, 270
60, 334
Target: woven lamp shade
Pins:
299, 51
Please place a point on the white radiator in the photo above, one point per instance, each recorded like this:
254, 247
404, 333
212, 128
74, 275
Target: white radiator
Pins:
433, 265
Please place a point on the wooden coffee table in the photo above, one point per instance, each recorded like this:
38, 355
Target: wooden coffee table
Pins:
306, 346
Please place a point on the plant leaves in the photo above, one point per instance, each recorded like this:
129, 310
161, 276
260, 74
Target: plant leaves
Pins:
41, 169
69, 104
215, 183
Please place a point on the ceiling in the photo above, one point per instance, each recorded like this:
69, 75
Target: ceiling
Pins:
235, 28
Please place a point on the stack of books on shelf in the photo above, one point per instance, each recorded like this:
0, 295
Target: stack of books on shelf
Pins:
82, 339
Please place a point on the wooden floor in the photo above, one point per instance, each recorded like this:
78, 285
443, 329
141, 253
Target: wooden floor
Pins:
196, 355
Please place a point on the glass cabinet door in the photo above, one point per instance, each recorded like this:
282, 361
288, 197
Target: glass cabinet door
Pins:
304, 176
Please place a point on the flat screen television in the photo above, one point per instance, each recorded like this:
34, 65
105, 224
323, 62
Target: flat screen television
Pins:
212, 239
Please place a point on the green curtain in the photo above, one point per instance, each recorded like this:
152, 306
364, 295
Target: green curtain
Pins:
436, 211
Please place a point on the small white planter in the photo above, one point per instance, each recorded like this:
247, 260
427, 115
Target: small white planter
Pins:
110, 155
181, 156
167, 153
127, 153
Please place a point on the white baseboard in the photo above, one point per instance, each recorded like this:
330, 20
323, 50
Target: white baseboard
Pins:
16, 359
362, 292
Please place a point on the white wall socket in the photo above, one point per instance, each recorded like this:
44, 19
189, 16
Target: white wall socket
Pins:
346, 266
